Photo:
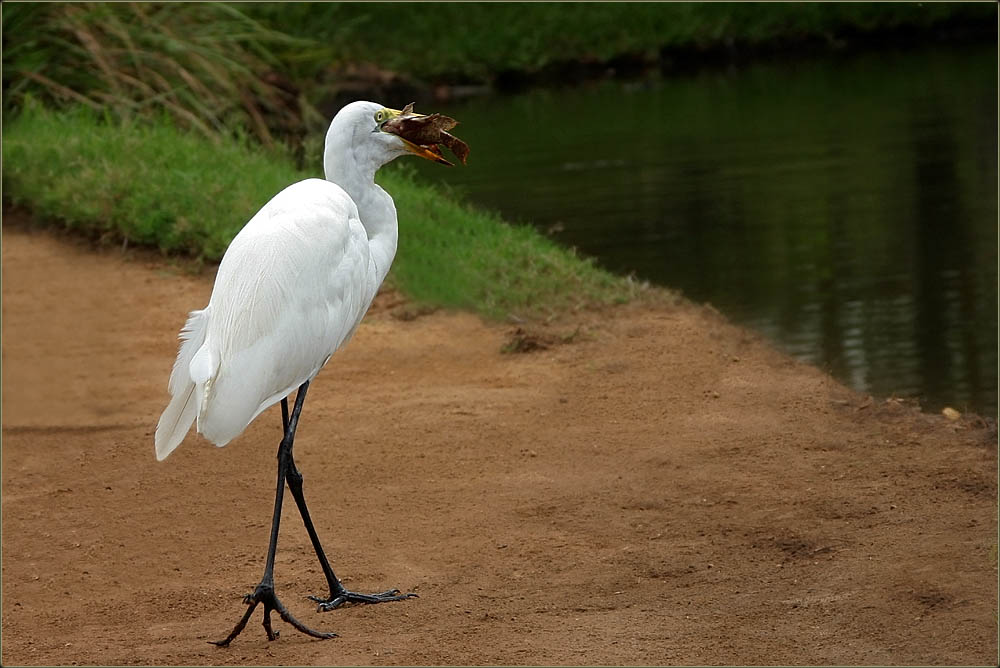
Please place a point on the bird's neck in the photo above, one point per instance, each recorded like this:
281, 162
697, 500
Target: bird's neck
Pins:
378, 215
356, 176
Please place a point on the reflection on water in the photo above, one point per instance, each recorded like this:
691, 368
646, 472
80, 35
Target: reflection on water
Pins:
845, 208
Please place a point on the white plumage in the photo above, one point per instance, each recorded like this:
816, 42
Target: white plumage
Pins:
291, 289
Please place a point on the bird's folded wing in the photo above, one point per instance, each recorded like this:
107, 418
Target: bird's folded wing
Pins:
292, 286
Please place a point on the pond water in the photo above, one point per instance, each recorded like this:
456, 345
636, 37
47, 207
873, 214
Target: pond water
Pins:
846, 208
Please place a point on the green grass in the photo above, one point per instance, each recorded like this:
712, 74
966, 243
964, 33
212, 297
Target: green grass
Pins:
263, 66
477, 40
158, 186
147, 183
209, 65
455, 255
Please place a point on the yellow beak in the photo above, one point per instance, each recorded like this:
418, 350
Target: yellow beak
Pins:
432, 152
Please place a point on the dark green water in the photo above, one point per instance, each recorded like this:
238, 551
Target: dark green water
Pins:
845, 208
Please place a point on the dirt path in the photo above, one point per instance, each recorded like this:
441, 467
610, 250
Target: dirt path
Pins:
666, 489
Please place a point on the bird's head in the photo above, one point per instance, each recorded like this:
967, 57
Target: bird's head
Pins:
371, 133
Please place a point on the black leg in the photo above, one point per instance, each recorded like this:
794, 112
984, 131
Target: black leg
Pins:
284, 415
338, 594
264, 593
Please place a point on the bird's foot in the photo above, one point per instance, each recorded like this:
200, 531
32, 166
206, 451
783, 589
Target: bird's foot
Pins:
264, 594
344, 596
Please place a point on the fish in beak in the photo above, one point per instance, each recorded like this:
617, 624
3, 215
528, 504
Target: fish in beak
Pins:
422, 134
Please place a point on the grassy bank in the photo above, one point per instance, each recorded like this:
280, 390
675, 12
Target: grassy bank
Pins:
476, 41
265, 67
157, 186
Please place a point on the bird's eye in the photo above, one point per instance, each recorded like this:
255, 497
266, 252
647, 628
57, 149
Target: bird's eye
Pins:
379, 116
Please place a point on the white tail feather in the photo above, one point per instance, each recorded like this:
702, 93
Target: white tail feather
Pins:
183, 408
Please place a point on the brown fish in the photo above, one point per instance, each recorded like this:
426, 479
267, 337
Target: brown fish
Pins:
427, 132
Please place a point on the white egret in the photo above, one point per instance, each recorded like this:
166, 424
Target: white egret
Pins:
291, 289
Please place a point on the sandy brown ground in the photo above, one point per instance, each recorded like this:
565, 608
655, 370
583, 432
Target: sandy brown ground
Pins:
665, 489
